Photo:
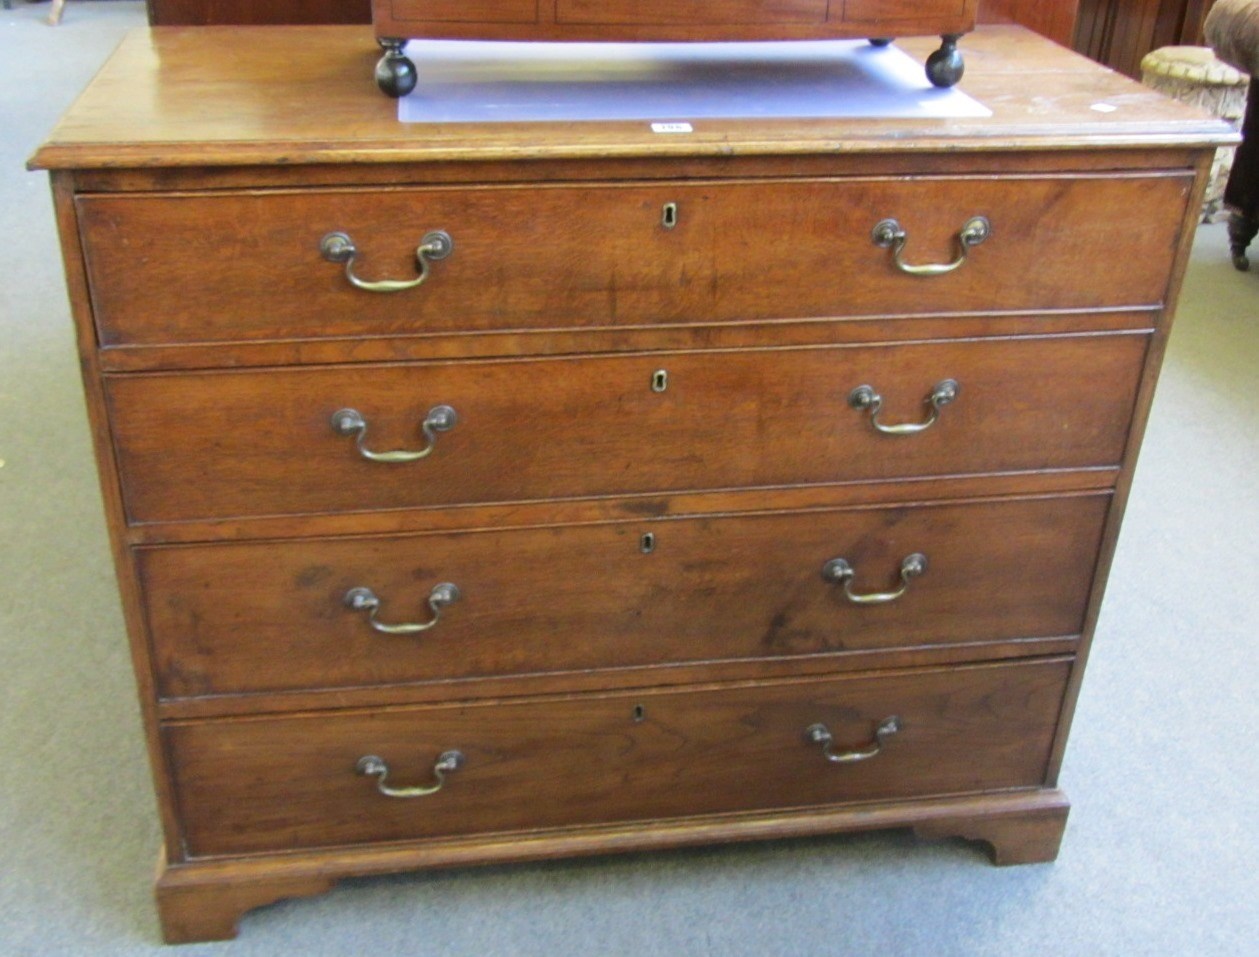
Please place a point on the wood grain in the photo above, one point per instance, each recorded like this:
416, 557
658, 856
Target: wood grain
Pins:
249, 785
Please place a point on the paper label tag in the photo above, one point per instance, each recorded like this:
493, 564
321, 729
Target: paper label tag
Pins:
671, 128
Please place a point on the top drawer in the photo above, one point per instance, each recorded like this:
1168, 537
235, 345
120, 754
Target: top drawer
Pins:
247, 266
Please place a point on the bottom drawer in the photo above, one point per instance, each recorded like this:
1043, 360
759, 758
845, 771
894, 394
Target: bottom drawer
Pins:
269, 783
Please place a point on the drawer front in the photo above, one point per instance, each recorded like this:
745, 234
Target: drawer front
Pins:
258, 784
460, 11
701, 12
274, 616
172, 268
877, 11
262, 443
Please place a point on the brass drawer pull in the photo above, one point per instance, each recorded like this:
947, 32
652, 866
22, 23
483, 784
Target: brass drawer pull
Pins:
440, 418
890, 234
369, 765
821, 734
364, 599
840, 570
340, 248
865, 399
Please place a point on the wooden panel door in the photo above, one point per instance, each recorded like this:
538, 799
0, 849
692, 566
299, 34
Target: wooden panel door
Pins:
1118, 33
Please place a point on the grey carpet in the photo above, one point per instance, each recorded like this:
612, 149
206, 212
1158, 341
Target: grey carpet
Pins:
1159, 855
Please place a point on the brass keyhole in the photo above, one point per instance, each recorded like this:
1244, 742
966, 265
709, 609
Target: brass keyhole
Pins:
660, 380
647, 544
669, 215
640, 713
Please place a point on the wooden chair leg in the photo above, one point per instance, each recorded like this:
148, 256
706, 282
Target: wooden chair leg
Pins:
54, 15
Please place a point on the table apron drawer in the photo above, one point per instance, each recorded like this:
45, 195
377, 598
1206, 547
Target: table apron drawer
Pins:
231, 267
292, 615
270, 783
215, 445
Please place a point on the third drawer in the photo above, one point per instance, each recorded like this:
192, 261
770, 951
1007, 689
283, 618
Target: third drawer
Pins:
275, 616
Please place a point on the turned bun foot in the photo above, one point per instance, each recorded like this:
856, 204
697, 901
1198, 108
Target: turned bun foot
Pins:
395, 74
880, 41
945, 66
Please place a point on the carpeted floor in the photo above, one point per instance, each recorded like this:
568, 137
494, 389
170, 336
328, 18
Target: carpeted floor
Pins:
1160, 852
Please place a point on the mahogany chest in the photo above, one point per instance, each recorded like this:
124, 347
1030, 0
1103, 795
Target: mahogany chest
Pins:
494, 492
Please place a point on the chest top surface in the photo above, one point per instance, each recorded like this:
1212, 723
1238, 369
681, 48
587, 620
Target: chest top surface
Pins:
242, 96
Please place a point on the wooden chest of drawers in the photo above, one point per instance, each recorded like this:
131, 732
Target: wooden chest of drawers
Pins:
676, 503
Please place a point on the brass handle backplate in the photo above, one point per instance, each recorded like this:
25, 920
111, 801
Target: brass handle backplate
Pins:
821, 734
364, 599
865, 399
340, 248
440, 418
889, 234
369, 765
840, 570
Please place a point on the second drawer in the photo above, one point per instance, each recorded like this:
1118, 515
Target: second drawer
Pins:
224, 444
260, 617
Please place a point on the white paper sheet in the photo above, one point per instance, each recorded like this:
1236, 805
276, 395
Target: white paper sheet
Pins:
472, 81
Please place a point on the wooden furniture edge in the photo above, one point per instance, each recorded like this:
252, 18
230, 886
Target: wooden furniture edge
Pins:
1123, 486
148, 156
119, 179
76, 144
642, 677
111, 495
204, 900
